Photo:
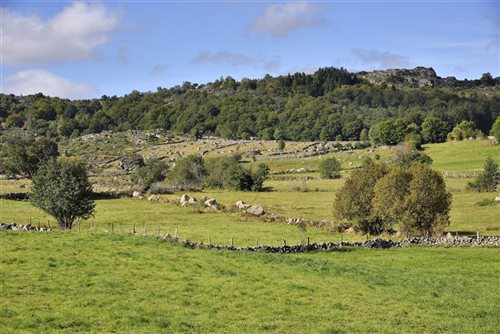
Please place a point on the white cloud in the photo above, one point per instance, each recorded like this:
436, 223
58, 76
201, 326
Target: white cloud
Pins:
236, 59
383, 60
36, 81
73, 33
280, 20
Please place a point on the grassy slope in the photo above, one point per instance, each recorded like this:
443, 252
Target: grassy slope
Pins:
69, 282
462, 156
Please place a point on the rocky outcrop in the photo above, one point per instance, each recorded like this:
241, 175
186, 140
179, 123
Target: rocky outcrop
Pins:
255, 210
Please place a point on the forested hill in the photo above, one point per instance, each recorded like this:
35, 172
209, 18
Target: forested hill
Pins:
326, 105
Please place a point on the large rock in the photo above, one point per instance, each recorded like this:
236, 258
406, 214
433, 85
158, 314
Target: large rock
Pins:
242, 205
187, 200
136, 194
255, 210
211, 203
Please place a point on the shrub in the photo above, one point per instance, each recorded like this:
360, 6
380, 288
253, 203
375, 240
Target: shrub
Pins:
188, 173
487, 180
154, 171
329, 168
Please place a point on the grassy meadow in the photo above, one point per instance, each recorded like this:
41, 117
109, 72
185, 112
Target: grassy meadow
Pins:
96, 282
105, 280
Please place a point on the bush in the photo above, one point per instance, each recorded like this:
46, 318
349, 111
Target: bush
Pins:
259, 177
188, 173
487, 180
62, 189
406, 159
154, 171
495, 129
329, 168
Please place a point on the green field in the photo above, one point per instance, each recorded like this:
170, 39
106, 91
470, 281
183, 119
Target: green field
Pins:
95, 282
105, 280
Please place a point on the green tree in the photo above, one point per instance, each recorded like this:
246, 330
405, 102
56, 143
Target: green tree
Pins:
353, 202
363, 136
25, 154
495, 129
389, 196
259, 176
415, 198
281, 145
329, 168
237, 178
464, 130
434, 130
427, 204
488, 179
155, 170
389, 132
62, 189
188, 173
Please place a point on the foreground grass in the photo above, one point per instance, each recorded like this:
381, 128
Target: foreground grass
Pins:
95, 282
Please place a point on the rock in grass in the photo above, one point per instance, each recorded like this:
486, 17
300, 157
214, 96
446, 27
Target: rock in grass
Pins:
255, 210
242, 205
187, 200
211, 203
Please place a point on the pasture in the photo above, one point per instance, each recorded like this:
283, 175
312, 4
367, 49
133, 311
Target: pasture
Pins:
99, 282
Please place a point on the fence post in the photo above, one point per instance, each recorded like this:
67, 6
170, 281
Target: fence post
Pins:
341, 238
284, 242
257, 242
48, 222
176, 233
133, 229
145, 230
209, 242
112, 228
158, 231
308, 241
232, 242
477, 234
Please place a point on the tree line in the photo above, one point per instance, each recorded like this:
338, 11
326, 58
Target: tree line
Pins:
331, 104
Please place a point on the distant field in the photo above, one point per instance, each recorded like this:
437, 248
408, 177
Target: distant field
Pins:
293, 197
462, 156
67, 282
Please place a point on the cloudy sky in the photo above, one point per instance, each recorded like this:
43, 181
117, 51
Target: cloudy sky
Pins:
86, 49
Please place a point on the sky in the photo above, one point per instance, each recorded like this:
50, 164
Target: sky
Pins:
86, 49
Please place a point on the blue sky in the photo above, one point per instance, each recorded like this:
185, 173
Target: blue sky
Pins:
87, 49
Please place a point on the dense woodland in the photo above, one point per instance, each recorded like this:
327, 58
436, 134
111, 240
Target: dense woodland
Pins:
327, 105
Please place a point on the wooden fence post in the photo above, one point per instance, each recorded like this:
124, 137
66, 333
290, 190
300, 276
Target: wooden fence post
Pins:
284, 242
209, 242
232, 242
308, 241
112, 228
257, 242
176, 235
48, 222
145, 230
133, 229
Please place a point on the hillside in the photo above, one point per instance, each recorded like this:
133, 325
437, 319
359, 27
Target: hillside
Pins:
327, 105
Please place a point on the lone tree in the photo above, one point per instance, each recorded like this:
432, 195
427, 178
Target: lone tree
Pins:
487, 180
329, 168
155, 170
62, 189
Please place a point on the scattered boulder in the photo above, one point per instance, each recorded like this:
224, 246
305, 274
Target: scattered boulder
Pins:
211, 203
136, 194
255, 210
242, 205
187, 200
